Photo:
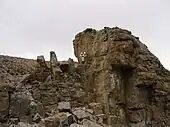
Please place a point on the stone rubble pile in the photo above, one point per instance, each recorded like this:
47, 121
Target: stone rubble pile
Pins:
65, 116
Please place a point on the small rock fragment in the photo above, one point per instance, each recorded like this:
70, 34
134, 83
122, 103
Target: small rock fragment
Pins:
76, 125
81, 114
64, 106
37, 118
41, 61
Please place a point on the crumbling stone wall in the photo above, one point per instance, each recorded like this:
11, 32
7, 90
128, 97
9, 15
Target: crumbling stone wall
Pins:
120, 83
40, 91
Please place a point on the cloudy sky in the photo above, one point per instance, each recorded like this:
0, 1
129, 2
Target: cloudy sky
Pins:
33, 27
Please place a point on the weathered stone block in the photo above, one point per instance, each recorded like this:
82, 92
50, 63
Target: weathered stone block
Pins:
81, 113
64, 106
19, 104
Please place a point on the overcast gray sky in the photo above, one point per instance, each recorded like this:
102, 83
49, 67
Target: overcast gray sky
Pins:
33, 27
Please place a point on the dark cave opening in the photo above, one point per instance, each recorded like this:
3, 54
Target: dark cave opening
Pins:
127, 80
128, 90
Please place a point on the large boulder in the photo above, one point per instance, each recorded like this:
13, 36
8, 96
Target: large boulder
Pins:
59, 120
81, 113
19, 104
64, 106
23, 106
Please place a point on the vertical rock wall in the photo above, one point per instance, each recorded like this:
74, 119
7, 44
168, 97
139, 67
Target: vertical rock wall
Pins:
127, 77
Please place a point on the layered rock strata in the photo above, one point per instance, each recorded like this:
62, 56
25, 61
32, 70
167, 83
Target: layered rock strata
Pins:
125, 77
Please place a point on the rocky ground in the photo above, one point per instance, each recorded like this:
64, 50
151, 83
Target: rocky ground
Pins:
120, 84
13, 68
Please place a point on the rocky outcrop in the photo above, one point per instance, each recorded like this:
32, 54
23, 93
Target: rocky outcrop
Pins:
116, 82
125, 77
43, 97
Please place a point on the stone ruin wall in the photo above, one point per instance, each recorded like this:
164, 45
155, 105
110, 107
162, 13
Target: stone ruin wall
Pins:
121, 81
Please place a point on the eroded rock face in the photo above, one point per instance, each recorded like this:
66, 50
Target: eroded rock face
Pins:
125, 77
116, 82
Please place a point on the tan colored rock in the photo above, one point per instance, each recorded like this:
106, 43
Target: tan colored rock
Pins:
59, 120
122, 74
54, 66
64, 106
76, 125
81, 113
119, 81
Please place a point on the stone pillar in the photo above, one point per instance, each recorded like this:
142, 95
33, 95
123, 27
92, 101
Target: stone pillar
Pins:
54, 66
42, 70
70, 61
53, 58
41, 61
